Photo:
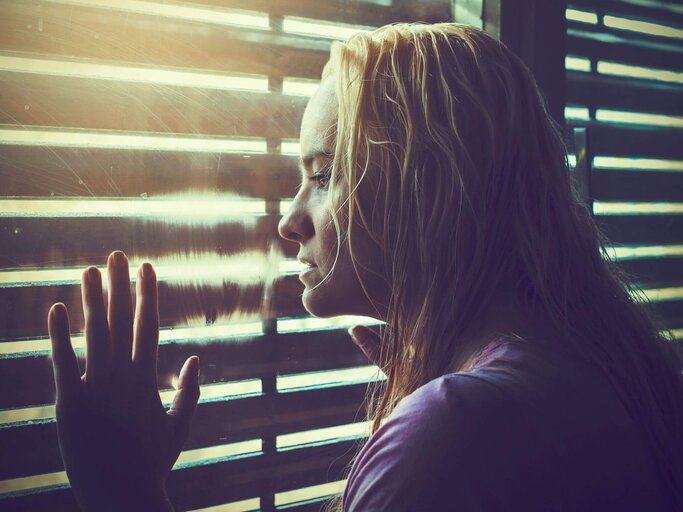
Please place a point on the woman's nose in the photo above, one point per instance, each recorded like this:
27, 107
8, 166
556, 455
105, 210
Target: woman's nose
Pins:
296, 224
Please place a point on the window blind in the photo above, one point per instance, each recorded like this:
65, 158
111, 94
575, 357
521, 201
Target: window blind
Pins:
169, 130
625, 84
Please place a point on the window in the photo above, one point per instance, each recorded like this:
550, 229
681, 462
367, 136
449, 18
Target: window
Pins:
169, 130
625, 83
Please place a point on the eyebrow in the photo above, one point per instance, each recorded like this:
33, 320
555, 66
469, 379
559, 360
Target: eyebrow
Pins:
306, 160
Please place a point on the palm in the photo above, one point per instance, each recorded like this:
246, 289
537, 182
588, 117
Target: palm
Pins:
117, 440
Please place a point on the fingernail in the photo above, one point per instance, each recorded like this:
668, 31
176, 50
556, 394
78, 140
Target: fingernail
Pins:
59, 311
147, 270
353, 336
93, 275
118, 258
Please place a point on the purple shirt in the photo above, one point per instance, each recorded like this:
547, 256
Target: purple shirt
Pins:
528, 429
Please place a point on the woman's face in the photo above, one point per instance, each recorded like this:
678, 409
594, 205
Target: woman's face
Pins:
331, 288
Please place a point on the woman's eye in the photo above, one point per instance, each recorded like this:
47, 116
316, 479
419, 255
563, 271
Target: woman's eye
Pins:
322, 179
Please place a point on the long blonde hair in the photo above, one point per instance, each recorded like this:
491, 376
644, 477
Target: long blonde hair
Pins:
476, 192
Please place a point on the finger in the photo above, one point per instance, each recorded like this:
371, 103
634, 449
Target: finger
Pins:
185, 401
146, 328
64, 363
368, 340
120, 309
96, 328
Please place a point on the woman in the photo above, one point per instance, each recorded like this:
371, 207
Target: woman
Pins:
435, 197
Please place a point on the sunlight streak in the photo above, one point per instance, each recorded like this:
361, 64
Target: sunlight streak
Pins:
299, 86
326, 378
573, 63
580, 113
327, 29
664, 294
627, 208
654, 164
196, 334
245, 268
645, 27
617, 116
290, 147
209, 393
218, 392
238, 18
126, 140
309, 493
582, 16
649, 251
210, 209
194, 457
351, 430
315, 323
615, 68
134, 74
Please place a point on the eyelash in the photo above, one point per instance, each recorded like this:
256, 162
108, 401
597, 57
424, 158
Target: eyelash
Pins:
319, 177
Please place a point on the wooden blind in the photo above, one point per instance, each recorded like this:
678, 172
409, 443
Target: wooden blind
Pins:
169, 130
625, 85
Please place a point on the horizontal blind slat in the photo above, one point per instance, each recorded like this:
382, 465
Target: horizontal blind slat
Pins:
215, 423
356, 12
629, 185
631, 32
597, 45
642, 142
196, 487
642, 229
117, 36
655, 272
658, 12
622, 93
87, 172
74, 102
28, 380
40, 242
178, 303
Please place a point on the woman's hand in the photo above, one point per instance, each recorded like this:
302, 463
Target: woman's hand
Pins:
117, 441
369, 341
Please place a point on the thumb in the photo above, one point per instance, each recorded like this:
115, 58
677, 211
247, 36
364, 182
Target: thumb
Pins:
185, 400
368, 340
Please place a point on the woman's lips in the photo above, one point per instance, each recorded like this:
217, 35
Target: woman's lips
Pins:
305, 272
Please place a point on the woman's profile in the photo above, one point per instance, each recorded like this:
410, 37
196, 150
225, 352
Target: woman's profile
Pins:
435, 197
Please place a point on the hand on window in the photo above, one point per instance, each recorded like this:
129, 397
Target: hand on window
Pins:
117, 441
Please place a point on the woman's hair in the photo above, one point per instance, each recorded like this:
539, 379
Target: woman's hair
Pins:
471, 192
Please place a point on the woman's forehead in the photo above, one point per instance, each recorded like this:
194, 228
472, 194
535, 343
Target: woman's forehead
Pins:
318, 126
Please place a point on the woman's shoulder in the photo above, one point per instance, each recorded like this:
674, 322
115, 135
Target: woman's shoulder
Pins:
425, 451
522, 425
505, 377
546, 398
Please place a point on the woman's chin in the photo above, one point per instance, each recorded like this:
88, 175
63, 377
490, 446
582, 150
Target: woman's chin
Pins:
318, 306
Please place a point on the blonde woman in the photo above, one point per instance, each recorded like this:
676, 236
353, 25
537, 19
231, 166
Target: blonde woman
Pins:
435, 197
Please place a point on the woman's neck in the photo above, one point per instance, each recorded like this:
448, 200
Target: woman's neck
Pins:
506, 316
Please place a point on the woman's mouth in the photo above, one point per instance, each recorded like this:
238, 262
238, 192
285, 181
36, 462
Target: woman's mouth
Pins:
305, 272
